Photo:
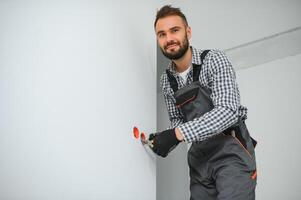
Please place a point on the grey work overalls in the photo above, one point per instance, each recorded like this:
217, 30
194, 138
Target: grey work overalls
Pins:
222, 167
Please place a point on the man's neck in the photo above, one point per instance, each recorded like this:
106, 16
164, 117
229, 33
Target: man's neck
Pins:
183, 63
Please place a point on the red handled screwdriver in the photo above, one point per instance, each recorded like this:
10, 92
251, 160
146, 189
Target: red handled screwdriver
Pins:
143, 138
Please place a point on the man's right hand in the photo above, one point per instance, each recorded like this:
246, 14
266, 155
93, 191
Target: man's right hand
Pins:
164, 142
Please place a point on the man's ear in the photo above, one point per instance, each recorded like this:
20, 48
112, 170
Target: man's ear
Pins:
188, 32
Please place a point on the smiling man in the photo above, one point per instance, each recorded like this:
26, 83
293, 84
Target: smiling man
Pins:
203, 103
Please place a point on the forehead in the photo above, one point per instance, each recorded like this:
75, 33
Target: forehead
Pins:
169, 22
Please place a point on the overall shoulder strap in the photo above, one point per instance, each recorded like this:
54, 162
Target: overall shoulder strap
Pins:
197, 68
196, 73
172, 81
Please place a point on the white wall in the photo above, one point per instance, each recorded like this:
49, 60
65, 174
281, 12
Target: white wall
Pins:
272, 94
172, 171
75, 77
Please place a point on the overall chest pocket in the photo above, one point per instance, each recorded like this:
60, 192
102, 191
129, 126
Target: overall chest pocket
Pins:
187, 97
193, 100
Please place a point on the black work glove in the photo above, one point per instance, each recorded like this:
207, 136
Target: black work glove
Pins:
164, 142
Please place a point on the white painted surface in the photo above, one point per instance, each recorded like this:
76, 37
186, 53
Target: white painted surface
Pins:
172, 171
267, 49
75, 77
272, 94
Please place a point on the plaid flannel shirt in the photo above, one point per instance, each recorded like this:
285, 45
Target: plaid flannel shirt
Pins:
217, 74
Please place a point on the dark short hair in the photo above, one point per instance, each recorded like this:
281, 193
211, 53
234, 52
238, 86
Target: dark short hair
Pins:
168, 10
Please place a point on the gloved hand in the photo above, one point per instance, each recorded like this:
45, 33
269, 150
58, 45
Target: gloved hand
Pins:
164, 142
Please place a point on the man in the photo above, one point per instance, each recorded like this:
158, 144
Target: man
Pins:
204, 108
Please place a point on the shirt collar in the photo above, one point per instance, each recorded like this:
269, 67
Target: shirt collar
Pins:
196, 59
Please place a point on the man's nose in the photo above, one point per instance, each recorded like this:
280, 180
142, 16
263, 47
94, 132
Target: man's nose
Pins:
169, 37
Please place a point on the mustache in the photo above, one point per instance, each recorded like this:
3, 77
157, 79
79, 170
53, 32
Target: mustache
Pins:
171, 43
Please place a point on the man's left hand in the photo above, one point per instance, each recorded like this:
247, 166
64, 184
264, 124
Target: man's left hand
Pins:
164, 142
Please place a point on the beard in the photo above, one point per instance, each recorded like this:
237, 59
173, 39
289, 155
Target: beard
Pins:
175, 55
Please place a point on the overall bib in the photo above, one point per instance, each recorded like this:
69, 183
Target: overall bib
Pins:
222, 167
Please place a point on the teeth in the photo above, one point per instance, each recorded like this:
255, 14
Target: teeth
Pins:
170, 46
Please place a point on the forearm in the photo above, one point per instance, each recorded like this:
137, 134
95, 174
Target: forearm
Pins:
179, 135
208, 125
174, 124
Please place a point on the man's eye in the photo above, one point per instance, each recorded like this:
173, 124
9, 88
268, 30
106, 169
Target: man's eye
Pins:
175, 30
161, 35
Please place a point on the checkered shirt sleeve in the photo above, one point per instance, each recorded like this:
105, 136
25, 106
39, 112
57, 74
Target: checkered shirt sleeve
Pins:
218, 74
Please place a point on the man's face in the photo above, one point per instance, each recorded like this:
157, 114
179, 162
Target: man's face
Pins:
173, 36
